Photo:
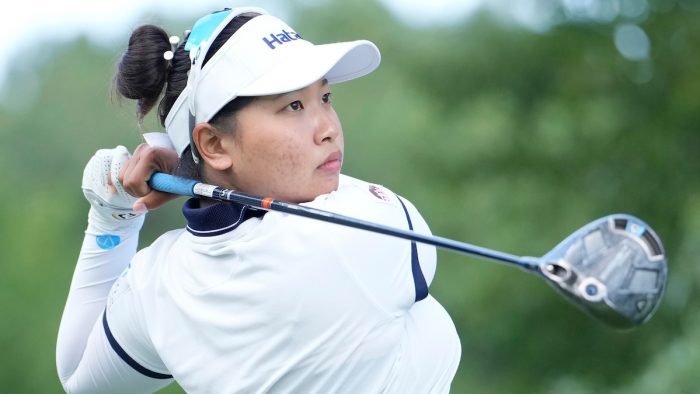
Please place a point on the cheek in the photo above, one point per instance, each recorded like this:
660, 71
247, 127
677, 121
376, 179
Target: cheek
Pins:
290, 159
280, 159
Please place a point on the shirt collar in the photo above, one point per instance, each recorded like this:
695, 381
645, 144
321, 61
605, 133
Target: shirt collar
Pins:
216, 219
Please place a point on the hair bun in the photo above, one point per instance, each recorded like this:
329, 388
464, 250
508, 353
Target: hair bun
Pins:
143, 69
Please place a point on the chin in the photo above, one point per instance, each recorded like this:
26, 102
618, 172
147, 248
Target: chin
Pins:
331, 185
319, 189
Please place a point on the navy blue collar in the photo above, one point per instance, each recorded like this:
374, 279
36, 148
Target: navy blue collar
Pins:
216, 219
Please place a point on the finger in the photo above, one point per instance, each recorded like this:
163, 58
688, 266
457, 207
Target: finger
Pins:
152, 160
138, 171
110, 185
167, 160
152, 200
96, 175
120, 156
144, 162
126, 169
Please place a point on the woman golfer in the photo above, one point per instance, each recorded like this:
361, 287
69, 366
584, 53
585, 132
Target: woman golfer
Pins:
243, 300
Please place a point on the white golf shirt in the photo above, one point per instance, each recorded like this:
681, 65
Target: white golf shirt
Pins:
241, 302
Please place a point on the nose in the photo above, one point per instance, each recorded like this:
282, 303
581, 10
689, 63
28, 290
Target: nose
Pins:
327, 127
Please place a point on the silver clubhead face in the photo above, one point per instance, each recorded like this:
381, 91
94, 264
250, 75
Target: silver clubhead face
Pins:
614, 268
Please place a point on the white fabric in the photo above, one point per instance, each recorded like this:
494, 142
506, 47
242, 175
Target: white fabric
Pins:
85, 361
288, 304
264, 57
111, 210
158, 140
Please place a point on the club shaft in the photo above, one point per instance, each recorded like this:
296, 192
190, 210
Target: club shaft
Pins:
186, 187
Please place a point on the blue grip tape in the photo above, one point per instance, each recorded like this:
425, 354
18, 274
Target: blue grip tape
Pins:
172, 184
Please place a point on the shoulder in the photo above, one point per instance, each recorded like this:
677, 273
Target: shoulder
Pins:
363, 200
374, 199
362, 192
148, 259
163, 242
348, 182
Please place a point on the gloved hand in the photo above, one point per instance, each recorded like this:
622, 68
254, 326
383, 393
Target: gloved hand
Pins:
111, 206
156, 155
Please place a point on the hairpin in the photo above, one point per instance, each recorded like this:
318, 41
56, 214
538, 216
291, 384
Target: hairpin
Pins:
168, 55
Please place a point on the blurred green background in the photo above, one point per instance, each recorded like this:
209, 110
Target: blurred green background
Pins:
504, 134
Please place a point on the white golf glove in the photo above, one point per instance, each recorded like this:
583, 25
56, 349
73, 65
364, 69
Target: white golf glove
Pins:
111, 208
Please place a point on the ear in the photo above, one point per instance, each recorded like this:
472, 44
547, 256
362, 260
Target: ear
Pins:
210, 147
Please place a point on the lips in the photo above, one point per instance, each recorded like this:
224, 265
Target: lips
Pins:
333, 162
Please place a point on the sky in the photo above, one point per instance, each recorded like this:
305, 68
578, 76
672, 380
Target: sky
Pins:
32, 23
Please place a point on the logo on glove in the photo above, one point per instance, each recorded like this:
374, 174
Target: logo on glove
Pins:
125, 216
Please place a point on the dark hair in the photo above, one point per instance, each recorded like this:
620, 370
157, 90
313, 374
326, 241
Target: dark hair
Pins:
144, 75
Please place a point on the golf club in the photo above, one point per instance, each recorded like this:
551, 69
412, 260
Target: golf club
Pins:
613, 268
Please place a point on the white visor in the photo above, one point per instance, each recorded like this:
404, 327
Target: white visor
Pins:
264, 57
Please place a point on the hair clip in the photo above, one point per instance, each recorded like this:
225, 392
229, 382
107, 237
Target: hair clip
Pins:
174, 40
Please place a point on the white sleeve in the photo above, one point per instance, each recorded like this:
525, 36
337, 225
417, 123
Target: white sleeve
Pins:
101, 370
84, 358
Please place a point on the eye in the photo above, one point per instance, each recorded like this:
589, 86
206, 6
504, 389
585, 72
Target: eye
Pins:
295, 106
326, 99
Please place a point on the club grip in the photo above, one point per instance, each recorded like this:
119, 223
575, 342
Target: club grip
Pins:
172, 184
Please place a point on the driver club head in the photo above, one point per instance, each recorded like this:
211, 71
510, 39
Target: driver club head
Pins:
614, 268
